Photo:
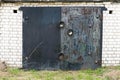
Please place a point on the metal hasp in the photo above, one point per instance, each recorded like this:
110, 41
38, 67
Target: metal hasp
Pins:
82, 50
67, 38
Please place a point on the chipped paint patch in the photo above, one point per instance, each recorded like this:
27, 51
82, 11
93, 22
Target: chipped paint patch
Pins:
83, 47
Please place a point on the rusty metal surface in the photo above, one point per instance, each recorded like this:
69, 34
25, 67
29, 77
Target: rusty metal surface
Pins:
62, 38
82, 49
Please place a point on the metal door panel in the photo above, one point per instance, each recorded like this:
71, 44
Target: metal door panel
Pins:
41, 36
82, 49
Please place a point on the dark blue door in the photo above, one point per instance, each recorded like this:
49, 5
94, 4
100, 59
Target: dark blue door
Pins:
41, 36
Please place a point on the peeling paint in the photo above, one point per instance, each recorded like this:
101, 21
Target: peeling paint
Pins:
73, 45
83, 47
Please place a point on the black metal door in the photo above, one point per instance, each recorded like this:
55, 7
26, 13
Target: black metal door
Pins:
41, 36
66, 37
81, 37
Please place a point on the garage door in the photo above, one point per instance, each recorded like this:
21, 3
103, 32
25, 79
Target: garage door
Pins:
62, 37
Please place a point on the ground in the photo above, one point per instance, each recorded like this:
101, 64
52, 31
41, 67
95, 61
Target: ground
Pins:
106, 73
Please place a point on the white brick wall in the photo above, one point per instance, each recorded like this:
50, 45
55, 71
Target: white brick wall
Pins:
11, 35
11, 32
111, 35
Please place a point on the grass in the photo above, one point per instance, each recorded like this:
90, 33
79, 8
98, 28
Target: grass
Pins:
98, 74
14, 71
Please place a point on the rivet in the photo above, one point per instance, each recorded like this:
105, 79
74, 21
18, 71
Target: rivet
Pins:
62, 24
70, 32
89, 53
61, 56
96, 61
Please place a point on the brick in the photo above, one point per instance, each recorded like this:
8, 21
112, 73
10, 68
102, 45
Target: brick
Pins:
9, 39
111, 36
